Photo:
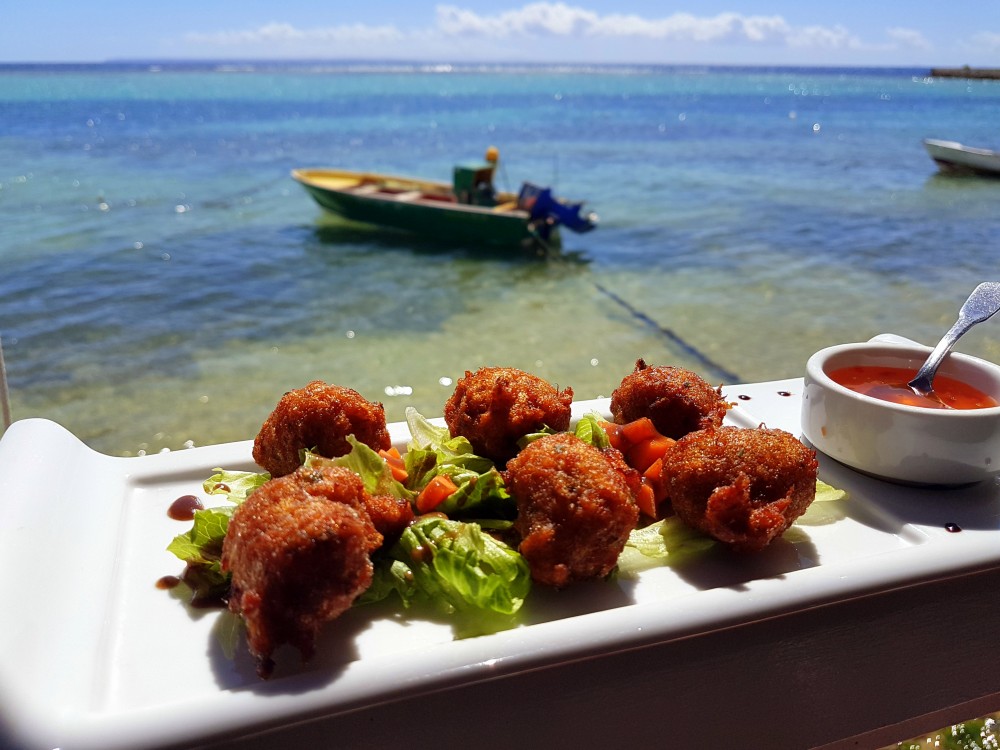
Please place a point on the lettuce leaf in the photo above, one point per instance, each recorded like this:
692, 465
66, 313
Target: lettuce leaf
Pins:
825, 509
366, 463
481, 492
454, 566
201, 548
589, 430
531, 437
671, 542
427, 436
826, 493
668, 541
235, 485
391, 575
202, 544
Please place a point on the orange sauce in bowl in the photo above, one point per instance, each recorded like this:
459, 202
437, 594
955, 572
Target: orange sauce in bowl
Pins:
890, 384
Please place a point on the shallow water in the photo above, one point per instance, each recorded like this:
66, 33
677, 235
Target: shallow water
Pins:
163, 281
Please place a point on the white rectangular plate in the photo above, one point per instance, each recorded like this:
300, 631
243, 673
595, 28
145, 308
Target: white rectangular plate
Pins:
96, 656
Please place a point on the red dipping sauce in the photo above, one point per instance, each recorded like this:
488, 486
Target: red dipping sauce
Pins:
890, 384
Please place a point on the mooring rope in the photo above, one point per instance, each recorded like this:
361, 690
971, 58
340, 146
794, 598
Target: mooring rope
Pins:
688, 348
238, 197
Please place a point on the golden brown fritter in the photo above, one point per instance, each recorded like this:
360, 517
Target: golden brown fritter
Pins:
390, 515
575, 505
497, 406
742, 486
318, 417
677, 400
298, 549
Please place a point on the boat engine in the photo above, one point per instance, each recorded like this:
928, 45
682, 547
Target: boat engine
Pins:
545, 207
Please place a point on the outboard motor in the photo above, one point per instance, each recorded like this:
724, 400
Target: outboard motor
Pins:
543, 206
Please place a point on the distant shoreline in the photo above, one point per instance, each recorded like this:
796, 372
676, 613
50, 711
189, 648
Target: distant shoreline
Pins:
418, 66
337, 65
965, 71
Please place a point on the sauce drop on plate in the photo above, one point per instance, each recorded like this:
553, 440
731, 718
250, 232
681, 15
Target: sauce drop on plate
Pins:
183, 508
890, 384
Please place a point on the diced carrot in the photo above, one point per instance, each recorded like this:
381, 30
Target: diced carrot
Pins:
646, 500
395, 462
638, 430
652, 474
439, 489
398, 471
642, 455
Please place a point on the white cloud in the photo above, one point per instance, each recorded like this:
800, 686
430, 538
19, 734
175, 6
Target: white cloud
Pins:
565, 29
908, 38
823, 37
272, 33
559, 19
988, 40
536, 18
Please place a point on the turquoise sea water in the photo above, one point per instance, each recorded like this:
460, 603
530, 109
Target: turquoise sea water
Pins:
163, 281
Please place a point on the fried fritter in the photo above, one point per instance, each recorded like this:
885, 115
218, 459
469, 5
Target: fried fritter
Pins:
576, 507
497, 406
390, 515
742, 486
299, 551
318, 417
677, 400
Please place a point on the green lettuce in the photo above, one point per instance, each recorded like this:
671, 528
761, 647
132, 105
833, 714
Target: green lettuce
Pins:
235, 485
427, 436
668, 541
202, 544
826, 493
375, 473
432, 451
454, 566
588, 429
201, 548
671, 542
825, 509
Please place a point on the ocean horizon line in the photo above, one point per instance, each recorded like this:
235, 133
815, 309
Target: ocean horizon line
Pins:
355, 65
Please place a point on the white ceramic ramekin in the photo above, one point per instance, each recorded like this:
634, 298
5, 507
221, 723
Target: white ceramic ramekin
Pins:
900, 443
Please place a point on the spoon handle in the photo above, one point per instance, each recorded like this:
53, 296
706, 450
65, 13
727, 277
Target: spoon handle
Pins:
982, 304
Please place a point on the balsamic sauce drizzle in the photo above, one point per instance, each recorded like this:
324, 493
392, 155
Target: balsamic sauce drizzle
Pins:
183, 508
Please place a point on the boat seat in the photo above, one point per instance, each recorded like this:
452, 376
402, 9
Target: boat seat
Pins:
411, 195
365, 189
337, 183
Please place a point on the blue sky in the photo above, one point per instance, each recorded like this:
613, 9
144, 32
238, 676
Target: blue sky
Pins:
782, 32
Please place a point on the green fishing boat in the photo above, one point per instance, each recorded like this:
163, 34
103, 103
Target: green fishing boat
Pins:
469, 209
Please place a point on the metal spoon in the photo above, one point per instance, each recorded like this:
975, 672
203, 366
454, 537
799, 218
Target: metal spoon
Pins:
983, 304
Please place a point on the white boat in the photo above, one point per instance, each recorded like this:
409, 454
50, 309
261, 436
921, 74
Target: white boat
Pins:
954, 158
